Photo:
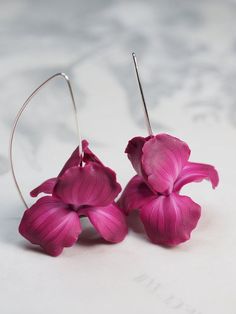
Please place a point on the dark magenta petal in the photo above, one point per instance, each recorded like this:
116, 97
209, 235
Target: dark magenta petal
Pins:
169, 220
75, 158
50, 224
163, 158
134, 151
109, 222
135, 195
92, 185
46, 187
196, 172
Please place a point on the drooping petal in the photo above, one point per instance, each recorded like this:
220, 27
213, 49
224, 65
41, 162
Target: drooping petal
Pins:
92, 185
134, 151
163, 158
46, 187
135, 195
75, 158
109, 222
50, 224
196, 172
169, 220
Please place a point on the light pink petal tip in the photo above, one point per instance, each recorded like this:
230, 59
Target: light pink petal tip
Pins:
163, 158
196, 172
169, 220
46, 187
91, 185
50, 224
109, 222
135, 195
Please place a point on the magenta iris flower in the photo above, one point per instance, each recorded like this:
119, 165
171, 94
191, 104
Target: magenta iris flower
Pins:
84, 187
162, 167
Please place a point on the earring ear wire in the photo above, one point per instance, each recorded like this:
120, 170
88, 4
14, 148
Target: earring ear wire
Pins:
147, 120
35, 92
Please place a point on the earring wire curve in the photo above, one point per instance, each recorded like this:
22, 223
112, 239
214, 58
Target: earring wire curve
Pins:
23, 107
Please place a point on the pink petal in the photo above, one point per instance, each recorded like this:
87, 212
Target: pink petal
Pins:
109, 221
169, 220
163, 158
195, 172
50, 224
135, 195
89, 155
75, 158
93, 185
134, 151
46, 187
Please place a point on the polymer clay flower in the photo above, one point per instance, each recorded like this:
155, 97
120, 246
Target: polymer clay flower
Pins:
162, 167
84, 187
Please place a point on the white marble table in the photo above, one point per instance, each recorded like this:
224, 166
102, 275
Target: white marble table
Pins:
187, 55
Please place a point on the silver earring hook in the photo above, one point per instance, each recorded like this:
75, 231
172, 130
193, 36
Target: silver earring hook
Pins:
147, 120
65, 77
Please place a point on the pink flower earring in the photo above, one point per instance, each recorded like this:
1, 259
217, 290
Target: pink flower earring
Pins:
162, 165
84, 187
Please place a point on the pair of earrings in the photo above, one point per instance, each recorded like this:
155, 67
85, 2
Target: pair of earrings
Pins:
86, 187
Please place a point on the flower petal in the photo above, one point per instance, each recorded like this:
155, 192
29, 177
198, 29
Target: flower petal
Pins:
93, 185
135, 195
109, 221
169, 220
46, 187
134, 151
75, 158
50, 224
196, 172
163, 158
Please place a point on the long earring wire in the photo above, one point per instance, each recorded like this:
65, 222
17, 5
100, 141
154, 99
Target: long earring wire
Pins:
66, 78
147, 120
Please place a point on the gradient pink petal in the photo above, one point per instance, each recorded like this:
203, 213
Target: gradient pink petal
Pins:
169, 220
134, 151
50, 224
109, 222
135, 195
91, 185
46, 187
163, 158
75, 158
196, 172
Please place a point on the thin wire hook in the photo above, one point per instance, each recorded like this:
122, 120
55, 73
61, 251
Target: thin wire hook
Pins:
147, 120
66, 78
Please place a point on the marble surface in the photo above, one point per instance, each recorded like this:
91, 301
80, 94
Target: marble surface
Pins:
187, 56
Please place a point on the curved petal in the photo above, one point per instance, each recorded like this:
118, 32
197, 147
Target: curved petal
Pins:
169, 220
75, 158
50, 224
196, 172
46, 187
92, 185
89, 155
109, 222
134, 151
163, 158
135, 195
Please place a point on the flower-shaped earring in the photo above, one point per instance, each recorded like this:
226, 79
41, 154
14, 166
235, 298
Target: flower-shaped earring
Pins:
162, 165
84, 187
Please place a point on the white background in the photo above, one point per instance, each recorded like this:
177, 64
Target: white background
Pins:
187, 55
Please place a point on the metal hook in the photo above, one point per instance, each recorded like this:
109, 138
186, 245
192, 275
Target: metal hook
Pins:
147, 120
64, 76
